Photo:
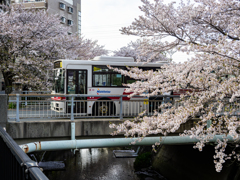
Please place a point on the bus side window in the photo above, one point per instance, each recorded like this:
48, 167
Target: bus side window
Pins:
130, 80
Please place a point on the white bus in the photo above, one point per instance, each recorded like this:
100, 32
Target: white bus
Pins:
93, 77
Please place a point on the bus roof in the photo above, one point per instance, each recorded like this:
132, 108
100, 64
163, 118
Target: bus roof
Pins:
112, 61
115, 58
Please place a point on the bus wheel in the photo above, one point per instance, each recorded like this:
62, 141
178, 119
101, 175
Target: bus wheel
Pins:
103, 109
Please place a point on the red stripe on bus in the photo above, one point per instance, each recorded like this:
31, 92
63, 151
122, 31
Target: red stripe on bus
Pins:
58, 98
94, 98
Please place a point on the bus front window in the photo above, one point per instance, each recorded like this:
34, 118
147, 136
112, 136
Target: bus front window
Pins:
59, 77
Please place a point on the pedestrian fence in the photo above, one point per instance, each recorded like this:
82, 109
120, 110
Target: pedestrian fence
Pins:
15, 164
27, 98
25, 106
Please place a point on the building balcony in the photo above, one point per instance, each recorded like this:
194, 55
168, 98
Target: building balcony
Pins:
40, 4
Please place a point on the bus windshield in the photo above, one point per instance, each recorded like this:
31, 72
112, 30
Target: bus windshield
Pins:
58, 79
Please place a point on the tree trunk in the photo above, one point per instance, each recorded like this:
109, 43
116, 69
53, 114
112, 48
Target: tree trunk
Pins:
8, 82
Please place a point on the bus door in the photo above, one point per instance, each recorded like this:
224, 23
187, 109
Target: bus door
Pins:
77, 84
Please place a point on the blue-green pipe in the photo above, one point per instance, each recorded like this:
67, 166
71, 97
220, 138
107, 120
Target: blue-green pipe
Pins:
111, 142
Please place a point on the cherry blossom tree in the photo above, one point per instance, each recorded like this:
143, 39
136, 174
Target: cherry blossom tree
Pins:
137, 51
210, 29
29, 42
90, 49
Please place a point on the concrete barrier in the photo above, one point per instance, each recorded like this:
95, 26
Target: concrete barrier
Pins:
59, 128
3, 110
62, 128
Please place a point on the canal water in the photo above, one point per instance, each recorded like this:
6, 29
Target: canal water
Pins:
91, 164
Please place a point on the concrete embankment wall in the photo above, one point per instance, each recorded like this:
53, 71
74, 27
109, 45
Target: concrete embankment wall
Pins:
183, 162
58, 129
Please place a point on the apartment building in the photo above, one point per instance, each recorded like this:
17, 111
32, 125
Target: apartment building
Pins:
69, 11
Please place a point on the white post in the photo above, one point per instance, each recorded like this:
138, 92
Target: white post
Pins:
72, 130
121, 107
17, 106
72, 117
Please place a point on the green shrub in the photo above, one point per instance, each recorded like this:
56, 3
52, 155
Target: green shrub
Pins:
11, 105
143, 161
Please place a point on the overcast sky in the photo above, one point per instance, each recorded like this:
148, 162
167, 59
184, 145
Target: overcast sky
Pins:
102, 19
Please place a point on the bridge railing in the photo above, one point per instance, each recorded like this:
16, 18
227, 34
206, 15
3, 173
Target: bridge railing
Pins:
25, 106
14, 163
45, 106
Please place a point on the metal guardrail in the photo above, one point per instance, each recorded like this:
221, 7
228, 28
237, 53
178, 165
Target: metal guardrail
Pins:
14, 163
36, 92
25, 106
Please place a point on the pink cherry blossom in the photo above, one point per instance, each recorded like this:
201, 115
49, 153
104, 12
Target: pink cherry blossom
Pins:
210, 29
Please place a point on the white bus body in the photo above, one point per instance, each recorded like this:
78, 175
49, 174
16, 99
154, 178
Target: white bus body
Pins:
92, 77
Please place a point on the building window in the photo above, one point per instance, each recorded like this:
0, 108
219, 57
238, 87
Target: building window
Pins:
63, 20
62, 6
70, 22
70, 9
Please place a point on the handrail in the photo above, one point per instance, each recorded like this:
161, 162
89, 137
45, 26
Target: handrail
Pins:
85, 95
13, 158
152, 100
18, 100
